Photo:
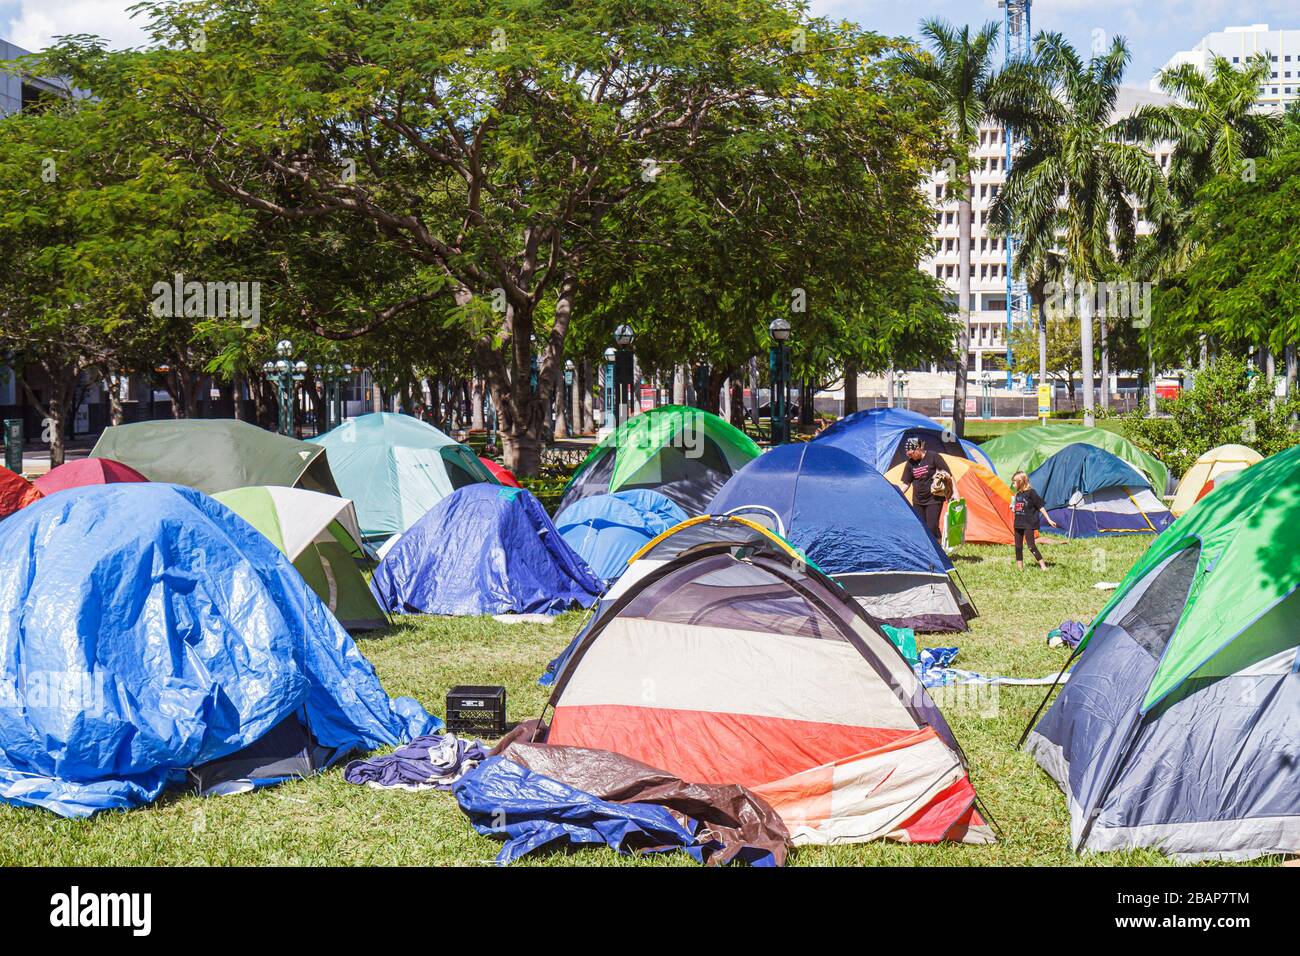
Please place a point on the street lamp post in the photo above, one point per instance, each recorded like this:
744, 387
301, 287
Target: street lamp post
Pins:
986, 384
610, 355
624, 369
779, 366
284, 372
570, 408
900, 382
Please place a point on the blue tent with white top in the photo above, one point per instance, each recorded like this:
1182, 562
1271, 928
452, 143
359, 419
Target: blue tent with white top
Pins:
856, 527
484, 549
1091, 493
149, 637
606, 530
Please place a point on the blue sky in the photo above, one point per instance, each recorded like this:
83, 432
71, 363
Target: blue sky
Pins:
1155, 28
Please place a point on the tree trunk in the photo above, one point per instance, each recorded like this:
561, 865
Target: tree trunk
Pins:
522, 411
576, 424
588, 399
54, 412
963, 293
1085, 349
1152, 407
1291, 370
850, 387
1105, 364
737, 403
113, 390
477, 420
237, 395
890, 387
708, 399
753, 390
319, 400
562, 428
1042, 343
807, 392
679, 384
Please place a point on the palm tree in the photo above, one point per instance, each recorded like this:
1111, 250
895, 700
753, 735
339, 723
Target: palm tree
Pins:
960, 74
1076, 184
1215, 132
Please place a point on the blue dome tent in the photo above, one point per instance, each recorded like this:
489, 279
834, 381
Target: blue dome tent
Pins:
484, 549
856, 527
606, 530
151, 636
878, 436
1090, 493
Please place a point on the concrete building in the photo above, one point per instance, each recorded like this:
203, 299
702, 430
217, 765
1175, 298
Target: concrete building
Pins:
1239, 44
989, 254
19, 92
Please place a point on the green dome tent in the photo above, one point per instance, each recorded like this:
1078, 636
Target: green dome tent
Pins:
319, 534
396, 467
1178, 727
1026, 448
216, 454
684, 453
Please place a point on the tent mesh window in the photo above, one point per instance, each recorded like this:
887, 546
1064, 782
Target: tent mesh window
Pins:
1151, 621
735, 595
458, 474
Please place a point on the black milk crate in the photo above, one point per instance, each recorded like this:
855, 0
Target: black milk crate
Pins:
476, 710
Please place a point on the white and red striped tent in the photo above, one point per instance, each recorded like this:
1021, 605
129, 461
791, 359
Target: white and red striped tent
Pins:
733, 666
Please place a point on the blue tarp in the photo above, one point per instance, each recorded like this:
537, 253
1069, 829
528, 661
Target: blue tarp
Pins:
842, 513
606, 530
484, 549
874, 436
1085, 469
530, 811
146, 629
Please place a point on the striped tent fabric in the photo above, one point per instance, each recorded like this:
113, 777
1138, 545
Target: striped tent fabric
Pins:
728, 666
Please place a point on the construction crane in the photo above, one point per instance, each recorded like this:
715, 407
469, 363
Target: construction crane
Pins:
1016, 48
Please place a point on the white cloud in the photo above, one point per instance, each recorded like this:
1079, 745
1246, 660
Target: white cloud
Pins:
33, 24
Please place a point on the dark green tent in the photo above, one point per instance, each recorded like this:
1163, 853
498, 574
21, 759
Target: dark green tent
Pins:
217, 454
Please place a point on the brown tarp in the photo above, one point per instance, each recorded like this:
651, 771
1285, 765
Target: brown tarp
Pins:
731, 815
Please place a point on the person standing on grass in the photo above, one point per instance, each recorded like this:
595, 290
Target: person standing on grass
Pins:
922, 465
1028, 508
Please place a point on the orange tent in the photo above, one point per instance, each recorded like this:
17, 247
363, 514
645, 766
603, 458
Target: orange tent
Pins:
987, 497
15, 492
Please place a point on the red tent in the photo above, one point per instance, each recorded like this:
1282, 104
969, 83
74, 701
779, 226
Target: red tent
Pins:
15, 492
503, 475
86, 471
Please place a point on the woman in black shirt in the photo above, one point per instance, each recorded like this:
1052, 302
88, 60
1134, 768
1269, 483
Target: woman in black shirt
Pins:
1027, 505
922, 465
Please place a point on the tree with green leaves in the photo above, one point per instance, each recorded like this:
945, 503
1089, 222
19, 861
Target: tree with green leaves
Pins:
1076, 181
1216, 131
88, 221
1228, 403
488, 142
825, 228
960, 71
1241, 288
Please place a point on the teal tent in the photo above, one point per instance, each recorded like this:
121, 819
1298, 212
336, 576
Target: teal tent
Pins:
395, 468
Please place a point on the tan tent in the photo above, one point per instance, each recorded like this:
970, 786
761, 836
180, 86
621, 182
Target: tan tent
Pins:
1215, 465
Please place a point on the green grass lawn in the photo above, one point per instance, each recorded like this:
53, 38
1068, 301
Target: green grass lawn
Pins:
324, 821
979, 430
